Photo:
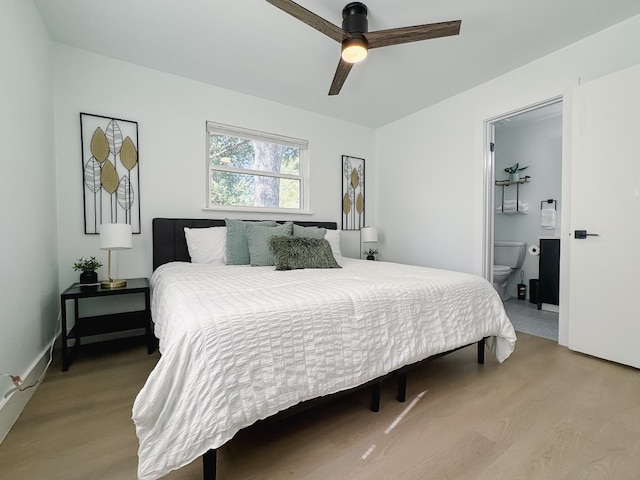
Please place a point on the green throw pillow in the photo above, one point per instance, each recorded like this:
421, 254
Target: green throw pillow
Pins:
258, 238
308, 232
237, 244
292, 253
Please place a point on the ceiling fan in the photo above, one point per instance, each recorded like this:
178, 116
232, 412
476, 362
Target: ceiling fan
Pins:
355, 38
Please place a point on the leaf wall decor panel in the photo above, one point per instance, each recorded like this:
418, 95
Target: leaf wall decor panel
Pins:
353, 193
99, 145
114, 137
110, 172
346, 204
92, 175
124, 194
109, 177
128, 154
360, 204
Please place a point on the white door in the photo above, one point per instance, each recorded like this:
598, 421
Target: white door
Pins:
604, 276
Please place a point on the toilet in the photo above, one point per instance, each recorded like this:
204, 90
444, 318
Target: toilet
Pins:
507, 258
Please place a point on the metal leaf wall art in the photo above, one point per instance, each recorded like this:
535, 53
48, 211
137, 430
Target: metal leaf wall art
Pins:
353, 199
110, 171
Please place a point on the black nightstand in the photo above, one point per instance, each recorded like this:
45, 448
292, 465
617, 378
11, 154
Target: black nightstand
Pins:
99, 324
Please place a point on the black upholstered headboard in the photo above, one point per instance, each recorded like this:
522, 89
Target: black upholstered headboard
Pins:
169, 243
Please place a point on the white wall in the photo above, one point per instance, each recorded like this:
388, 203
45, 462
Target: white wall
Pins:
538, 145
171, 112
28, 237
430, 165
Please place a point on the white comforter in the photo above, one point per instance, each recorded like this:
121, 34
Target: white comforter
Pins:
241, 343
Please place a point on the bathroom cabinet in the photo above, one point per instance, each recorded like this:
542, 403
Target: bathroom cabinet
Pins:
549, 272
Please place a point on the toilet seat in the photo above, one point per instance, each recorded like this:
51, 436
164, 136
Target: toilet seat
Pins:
501, 269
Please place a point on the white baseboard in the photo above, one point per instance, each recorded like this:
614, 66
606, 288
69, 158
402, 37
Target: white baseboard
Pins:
11, 407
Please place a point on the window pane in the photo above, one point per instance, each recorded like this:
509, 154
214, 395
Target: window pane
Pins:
253, 154
245, 190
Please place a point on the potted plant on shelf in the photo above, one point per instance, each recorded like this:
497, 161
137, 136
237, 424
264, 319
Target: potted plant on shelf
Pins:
370, 253
88, 267
513, 170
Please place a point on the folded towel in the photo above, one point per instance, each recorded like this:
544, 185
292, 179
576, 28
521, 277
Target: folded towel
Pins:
509, 207
548, 218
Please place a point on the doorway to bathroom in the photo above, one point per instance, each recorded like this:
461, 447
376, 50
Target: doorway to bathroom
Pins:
524, 177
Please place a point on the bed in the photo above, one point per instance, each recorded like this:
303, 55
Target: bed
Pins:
240, 343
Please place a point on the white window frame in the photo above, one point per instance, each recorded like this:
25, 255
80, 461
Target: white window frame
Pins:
302, 177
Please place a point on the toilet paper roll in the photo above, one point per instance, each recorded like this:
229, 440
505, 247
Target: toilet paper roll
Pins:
534, 250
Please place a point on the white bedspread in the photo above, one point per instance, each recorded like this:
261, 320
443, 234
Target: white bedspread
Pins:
241, 343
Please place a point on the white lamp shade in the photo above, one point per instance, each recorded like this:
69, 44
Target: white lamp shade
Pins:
369, 234
116, 236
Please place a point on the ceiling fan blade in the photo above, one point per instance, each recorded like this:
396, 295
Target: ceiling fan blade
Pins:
341, 75
311, 19
396, 36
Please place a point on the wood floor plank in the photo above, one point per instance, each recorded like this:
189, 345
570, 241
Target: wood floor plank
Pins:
545, 413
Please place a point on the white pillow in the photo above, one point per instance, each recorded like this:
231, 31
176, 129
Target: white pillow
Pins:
207, 245
333, 237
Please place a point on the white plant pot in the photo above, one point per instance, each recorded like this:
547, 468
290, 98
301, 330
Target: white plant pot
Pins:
514, 177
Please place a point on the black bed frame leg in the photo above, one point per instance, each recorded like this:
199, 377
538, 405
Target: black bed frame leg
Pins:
375, 396
402, 387
481, 351
209, 461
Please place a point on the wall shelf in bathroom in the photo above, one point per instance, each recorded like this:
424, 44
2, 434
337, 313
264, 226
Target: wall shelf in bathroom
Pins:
517, 183
506, 183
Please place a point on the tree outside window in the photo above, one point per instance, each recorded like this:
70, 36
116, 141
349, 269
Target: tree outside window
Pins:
255, 170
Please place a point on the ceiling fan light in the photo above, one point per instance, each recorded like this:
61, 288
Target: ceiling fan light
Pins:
354, 50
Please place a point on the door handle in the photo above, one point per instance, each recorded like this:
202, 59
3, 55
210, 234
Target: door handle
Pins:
582, 234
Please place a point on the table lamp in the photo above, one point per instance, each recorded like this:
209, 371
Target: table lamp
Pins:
369, 235
115, 236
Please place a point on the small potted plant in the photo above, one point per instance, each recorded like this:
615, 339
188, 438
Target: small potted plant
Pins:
513, 170
370, 253
88, 268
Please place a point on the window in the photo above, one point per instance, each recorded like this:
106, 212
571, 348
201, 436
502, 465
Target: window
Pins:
251, 170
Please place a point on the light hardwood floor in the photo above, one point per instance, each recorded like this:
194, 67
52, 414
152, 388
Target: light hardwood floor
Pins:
546, 413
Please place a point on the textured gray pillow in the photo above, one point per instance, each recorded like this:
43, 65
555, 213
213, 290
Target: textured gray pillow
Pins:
237, 244
258, 238
308, 232
292, 253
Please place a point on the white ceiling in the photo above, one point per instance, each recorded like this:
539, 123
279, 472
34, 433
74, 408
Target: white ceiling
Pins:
252, 47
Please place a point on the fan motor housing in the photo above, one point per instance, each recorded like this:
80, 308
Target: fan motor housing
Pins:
354, 18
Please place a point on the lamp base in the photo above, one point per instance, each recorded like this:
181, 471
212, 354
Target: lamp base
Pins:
113, 283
